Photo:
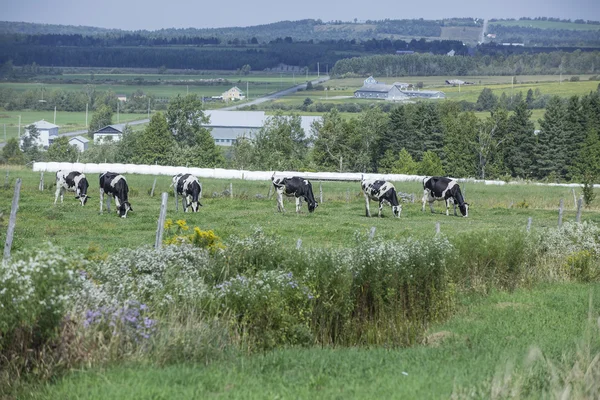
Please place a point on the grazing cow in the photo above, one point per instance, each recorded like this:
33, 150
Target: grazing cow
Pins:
382, 191
115, 184
72, 181
190, 190
441, 188
297, 187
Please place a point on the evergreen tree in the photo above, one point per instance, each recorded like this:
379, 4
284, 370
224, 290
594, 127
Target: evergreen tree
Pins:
371, 123
486, 101
519, 148
550, 153
387, 162
12, 154
154, 145
61, 151
102, 117
574, 132
405, 164
460, 144
529, 99
401, 133
430, 165
587, 166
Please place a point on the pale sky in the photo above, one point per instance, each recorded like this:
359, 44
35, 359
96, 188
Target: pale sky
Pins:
153, 14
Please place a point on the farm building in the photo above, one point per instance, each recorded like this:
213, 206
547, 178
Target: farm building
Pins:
425, 94
227, 126
80, 142
109, 132
380, 91
233, 94
47, 133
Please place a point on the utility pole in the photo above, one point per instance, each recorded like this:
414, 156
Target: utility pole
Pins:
86, 112
118, 119
148, 107
318, 71
19, 126
54, 115
247, 92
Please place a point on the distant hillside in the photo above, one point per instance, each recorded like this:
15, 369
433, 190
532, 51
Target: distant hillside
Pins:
302, 30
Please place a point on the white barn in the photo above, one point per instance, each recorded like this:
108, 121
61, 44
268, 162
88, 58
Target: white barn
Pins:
80, 142
47, 133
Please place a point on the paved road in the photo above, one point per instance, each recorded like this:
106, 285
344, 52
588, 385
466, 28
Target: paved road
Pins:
260, 100
483, 30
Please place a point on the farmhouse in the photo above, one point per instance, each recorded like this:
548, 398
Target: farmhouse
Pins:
233, 94
80, 142
227, 126
109, 132
47, 133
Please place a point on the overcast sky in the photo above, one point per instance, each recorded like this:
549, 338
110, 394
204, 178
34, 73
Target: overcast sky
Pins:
154, 14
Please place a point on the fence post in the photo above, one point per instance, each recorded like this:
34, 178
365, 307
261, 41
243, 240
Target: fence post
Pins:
269, 194
298, 244
321, 192
529, 223
574, 198
231, 190
176, 201
347, 195
161, 221
153, 187
13, 220
579, 204
41, 187
437, 228
560, 212
6, 180
372, 233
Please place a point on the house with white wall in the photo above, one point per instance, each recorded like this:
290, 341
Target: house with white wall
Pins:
47, 133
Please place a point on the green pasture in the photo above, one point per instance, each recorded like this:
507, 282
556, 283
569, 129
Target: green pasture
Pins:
66, 120
546, 25
333, 224
489, 337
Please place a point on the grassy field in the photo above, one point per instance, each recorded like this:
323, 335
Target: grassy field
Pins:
489, 338
547, 25
333, 224
67, 121
165, 86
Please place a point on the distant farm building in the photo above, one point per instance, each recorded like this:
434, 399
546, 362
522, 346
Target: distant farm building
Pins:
373, 89
233, 94
47, 133
80, 142
491, 35
227, 126
110, 132
121, 97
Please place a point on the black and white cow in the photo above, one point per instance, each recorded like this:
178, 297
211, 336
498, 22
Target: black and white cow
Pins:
441, 188
190, 190
72, 181
382, 191
115, 184
297, 187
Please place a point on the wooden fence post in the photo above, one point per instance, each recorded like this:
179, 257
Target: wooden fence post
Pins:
298, 244
437, 228
161, 221
176, 201
321, 192
13, 220
269, 194
529, 220
41, 187
6, 180
574, 198
579, 204
560, 212
231, 190
153, 187
372, 233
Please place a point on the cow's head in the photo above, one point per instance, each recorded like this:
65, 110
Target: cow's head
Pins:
195, 205
464, 209
312, 206
396, 210
83, 198
123, 208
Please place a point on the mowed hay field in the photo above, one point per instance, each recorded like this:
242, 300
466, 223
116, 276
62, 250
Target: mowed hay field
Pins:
333, 224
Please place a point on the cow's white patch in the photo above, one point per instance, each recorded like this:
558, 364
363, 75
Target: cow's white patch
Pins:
450, 186
115, 180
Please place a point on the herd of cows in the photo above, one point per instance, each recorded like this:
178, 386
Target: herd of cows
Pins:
189, 188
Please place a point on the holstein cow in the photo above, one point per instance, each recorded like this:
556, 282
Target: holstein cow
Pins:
188, 187
115, 184
441, 188
72, 181
297, 187
382, 191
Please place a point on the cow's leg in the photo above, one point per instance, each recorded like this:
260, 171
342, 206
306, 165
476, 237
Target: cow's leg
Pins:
117, 203
367, 208
186, 204
431, 206
58, 190
447, 201
425, 198
454, 204
380, 208
298, 204
280, 200
101, 199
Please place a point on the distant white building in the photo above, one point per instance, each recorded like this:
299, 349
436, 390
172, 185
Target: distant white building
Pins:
109, 132
80, 142
233, 94
227, 126
47, 133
